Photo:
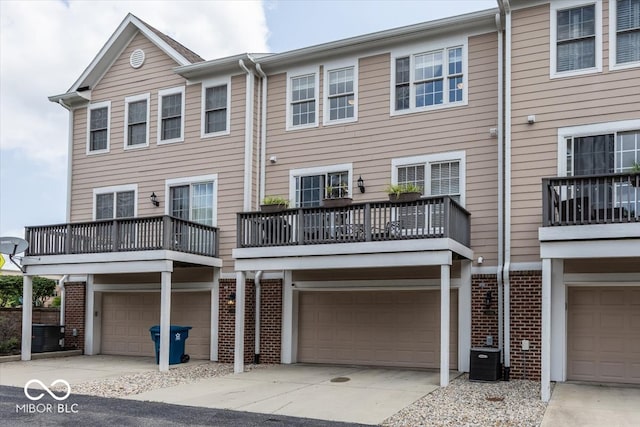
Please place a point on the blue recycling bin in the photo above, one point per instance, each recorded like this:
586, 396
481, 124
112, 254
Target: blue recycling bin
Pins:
177, 337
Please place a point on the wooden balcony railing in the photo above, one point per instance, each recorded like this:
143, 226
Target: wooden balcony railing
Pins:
597, 199
125, 234
426, 218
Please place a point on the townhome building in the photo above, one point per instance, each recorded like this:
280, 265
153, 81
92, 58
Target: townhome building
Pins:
525, 236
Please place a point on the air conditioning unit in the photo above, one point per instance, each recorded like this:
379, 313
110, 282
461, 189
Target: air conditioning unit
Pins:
485, 364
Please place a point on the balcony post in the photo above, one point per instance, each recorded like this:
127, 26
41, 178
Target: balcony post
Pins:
166, 232
239, 231
367, 222
115, 241
545, 202
300, 226
68, 241
446, 201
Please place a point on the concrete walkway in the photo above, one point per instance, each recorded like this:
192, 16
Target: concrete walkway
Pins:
593, 405
369, 395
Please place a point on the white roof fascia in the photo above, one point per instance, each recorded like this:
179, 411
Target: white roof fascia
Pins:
202, 70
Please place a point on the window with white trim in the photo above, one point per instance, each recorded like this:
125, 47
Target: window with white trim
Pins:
302, 98
193, 199
627, 27
136, 126
215, 107
99, 117
602, 154
340, 93
113, 203
430, 79
171, 115
308, 187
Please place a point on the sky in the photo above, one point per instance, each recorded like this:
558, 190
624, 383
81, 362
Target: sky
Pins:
46, 45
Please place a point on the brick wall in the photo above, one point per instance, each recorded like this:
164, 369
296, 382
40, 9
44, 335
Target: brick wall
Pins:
12, 319
74, 315
526, 323
484, 320
270, 325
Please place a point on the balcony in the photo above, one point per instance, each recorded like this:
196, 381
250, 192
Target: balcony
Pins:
426, 218
123, 235
587, 200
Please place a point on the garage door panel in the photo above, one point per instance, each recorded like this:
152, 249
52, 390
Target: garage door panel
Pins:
373, 328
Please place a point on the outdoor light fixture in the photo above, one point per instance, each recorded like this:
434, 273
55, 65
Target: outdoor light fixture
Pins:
154, 199
361, 184
231, 301
487, 300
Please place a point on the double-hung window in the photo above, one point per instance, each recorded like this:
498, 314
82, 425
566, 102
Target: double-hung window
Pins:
215, 108
171, 115
576, 37
99, 127
340, 93
624, 33
136, 127
302, 105
431, 79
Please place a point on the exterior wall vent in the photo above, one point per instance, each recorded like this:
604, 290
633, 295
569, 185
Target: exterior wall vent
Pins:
137, 58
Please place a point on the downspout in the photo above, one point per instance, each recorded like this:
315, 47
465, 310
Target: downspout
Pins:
256, 281
499, 25
248, 137
263, 133
61, 283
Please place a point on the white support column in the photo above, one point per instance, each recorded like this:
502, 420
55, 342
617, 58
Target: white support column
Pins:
165, 319
445, 289
215, 315
27, 313
287, 319
545, 362
89, 308
559, 322
464, 316
238, 353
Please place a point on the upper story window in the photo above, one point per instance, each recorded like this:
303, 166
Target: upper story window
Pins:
99, 127
171, 115
302, 96
136, 111
309, 186
576, 40
340, 93
432, 79
602, 154
624, 33
215, 107
115, 202
193, 199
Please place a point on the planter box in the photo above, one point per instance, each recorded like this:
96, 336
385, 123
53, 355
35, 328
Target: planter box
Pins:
337, 203
404, 197
272, 208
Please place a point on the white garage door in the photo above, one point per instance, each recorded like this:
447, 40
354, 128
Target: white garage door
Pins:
381, 328
603, 341
127, 317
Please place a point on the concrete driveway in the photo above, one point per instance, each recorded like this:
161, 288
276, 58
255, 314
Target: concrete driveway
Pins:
593, 405
368, 395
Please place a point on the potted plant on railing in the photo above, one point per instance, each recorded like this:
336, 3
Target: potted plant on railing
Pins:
273, 204
404, 192
336, 196
635, 171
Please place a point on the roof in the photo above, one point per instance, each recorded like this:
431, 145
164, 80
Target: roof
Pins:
183, 50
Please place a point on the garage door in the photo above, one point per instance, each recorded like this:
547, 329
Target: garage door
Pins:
382, 328
127, 318
603, 341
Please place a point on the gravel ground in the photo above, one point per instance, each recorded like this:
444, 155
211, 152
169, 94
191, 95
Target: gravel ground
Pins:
131, 384
466, 403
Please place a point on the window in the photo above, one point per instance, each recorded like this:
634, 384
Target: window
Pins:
193, 199
309, 186
624, 33
115, 202
341, 93
430, 79
602, 154
302, 106
98, 129
136, 110
215, 107
171, 115
576, 37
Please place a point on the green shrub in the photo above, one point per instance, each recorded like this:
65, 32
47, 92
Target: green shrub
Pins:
275, 200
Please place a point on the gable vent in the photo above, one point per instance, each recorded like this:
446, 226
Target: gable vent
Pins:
137, 58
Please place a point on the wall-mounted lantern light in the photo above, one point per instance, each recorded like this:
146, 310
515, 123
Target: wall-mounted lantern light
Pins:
231, 301
154, 199
361, 184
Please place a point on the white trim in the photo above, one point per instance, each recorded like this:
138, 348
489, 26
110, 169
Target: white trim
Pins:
113, 190
615, 248
168, 183
300, 72
589, 232
238, 354
211, 83
545, 352
613, 41
165, 92
334, 66
318, 170
165, 321
97, 106
127, 101
153, 287
90, 308
558, 322
427, 160
558, 5
445, 321
525, 266
464, 315
589, 130
585, 279
289, 323
385, 284
215, 315
411, 51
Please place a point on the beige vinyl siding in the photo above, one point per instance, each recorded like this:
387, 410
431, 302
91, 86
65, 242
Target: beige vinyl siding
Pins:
377, 137
571, 101
149, 167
